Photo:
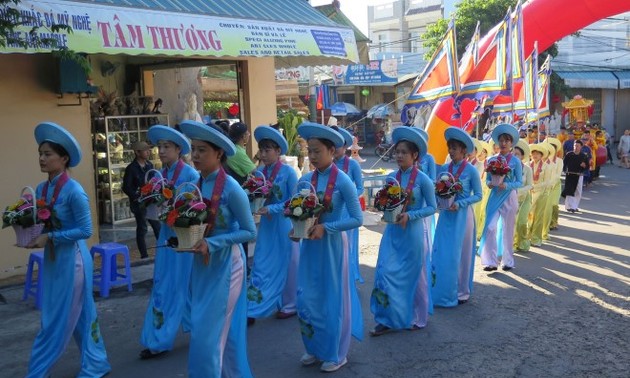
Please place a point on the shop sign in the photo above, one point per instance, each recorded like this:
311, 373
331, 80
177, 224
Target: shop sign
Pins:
300, 74
376, 72
99, 28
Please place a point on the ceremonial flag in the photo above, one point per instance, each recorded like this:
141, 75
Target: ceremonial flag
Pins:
523, 90
516, 41
542, 94
470, 58
439, 79
492, 74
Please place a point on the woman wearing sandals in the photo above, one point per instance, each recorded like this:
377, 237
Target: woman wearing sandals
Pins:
328, 305
400, 298
218, 333
67, 304
272, 288
352, 168
454, 245
168, 307
502, 205
542, 182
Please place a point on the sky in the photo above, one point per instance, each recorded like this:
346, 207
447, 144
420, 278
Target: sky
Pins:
355, 10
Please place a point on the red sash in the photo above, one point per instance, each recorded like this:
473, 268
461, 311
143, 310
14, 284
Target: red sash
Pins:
63, 179
410, 184
274, 172
459, 170
214, 200
329, 186
178, 170
537, 171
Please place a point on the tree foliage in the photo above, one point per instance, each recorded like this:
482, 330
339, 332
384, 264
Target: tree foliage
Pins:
11, 23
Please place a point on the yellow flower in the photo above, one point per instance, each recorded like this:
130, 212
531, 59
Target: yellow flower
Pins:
296, 202
394, 191
188, 196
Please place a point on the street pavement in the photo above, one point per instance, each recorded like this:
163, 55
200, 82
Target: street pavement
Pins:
563, 311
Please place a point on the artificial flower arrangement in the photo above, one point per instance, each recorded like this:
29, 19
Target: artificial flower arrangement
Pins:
155, 194
446, 188
389, 200
497, 168
187, 214
257, 189
29, 217
303, 209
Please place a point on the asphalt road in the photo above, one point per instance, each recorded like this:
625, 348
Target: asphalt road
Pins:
563, 311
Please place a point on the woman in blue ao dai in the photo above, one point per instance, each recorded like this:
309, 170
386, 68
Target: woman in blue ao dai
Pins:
67, 303
218, 333
454, 245
168, 307
328, 304
272, 285
400, 296
498, 234
351, 168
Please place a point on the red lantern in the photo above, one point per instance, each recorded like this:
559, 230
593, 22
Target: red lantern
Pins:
234, 110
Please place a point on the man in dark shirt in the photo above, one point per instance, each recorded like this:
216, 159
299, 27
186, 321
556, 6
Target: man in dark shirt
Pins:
575, 164
132, 182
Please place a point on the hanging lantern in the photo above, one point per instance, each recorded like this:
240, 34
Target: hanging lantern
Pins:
365, 92
234, 110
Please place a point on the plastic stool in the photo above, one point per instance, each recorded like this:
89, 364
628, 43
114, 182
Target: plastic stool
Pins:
33, 287
109, 275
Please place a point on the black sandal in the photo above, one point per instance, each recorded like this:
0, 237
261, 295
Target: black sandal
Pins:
146, 354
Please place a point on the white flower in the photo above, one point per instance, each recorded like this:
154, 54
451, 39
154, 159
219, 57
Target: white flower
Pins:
297, 211
444, 178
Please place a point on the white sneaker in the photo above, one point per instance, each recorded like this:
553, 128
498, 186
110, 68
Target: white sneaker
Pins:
330, 367
308, 359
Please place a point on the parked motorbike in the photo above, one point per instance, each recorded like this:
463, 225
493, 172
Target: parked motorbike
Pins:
385, 151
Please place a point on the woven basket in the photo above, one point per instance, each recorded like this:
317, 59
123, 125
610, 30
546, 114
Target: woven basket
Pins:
256, 204
390, 215
301, 227
187, 237
154, 211
445, 203
25, 235
496, 180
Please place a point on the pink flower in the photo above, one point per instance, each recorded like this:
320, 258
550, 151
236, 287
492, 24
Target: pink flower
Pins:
28, 197
43, 214
24, 207
197, 205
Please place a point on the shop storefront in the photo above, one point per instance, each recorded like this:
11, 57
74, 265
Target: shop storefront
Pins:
138, 55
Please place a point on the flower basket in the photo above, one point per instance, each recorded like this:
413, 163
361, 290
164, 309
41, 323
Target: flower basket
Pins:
256, 203
257, 186
154, 193
446, 188
303, 209
24, 218
496, 180
25, 235
445, 203
390, 215
390, 200
187, 237
301, 227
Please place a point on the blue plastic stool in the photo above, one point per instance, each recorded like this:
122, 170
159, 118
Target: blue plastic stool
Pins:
32, 288
109, 275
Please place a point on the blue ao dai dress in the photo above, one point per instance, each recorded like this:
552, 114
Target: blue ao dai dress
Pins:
272, 254
497, 238
67, 303
218, 337
354, 172
453, 261
328, 304
167, 307
401, 258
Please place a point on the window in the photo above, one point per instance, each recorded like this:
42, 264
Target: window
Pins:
383, 11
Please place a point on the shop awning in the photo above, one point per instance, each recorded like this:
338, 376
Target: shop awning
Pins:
624, 79
290, 30
589, 79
